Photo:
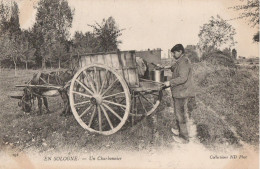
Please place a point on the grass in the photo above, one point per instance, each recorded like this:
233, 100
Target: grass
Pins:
230, 98
224, 93
54, 132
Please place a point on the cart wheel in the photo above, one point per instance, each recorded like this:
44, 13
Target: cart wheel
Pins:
145, 103
99, 99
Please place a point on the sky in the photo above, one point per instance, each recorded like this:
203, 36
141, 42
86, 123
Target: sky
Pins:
154, 23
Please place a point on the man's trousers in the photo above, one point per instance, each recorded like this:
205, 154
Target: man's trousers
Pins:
181, 113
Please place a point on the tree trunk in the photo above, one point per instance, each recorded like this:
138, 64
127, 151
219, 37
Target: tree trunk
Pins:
43, 63
59, 63
14, 69
71, 64
14, 65
26, 67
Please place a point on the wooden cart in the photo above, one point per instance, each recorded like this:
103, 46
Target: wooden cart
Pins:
106, 89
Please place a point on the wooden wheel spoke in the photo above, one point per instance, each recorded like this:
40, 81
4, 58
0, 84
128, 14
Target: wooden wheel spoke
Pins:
95, 79
103, 83
157, 95
112, 111
92, 116
142, 105
82, 94
114, 95
99, 118
146, 99
117, 104
86, 110
84, 86
90, 81
111, 85
108, 119
80, 103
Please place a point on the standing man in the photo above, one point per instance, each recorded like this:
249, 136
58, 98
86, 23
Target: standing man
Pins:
181, 87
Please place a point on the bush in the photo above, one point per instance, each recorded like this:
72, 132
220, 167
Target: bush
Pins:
219, 58
192, 55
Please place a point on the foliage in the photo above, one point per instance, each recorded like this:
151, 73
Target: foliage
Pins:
84, 43
256, 37
53, 20
11, 44
216, 33
27, 52
250, 11
190, 52
106, 35
227, 51
218, 57
9, 18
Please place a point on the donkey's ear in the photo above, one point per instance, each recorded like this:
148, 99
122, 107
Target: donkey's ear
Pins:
16, 97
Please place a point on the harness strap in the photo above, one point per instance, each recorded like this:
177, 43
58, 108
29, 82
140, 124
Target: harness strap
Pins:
43, 80
38, 76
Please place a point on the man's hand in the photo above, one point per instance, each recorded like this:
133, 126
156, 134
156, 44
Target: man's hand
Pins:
167, 67
167, 84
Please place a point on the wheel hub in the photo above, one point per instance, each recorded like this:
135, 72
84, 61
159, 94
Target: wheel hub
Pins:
96, 99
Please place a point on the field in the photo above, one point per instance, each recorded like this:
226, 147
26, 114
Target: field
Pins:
226, 115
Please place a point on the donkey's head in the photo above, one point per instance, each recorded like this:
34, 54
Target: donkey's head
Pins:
26, 100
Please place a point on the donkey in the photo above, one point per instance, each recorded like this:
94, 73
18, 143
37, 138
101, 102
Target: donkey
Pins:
54, 78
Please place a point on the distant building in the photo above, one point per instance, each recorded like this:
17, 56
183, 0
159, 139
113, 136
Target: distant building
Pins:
241, 57
248, 61
151, 56
254, 60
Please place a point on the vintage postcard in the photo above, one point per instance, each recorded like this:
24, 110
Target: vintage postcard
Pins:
129, 84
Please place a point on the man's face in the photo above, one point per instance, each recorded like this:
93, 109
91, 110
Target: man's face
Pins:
177, 54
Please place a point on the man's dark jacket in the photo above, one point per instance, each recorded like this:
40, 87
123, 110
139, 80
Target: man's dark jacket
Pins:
181, 82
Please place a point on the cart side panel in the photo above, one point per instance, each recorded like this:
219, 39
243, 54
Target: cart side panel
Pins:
127, 61
123, 62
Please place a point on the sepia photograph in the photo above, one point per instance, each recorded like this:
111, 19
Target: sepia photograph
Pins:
136, 84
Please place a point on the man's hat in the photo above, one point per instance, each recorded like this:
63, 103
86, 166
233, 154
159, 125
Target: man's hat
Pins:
178, 47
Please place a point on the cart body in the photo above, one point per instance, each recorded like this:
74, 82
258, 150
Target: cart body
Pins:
106, 90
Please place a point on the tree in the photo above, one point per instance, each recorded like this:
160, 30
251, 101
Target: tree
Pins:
53, 20
27, 50
256, 37
106, 35
216, 33
10, 32
9, 19
234, 54
5, 13
14, 25
249, 10
11, 47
